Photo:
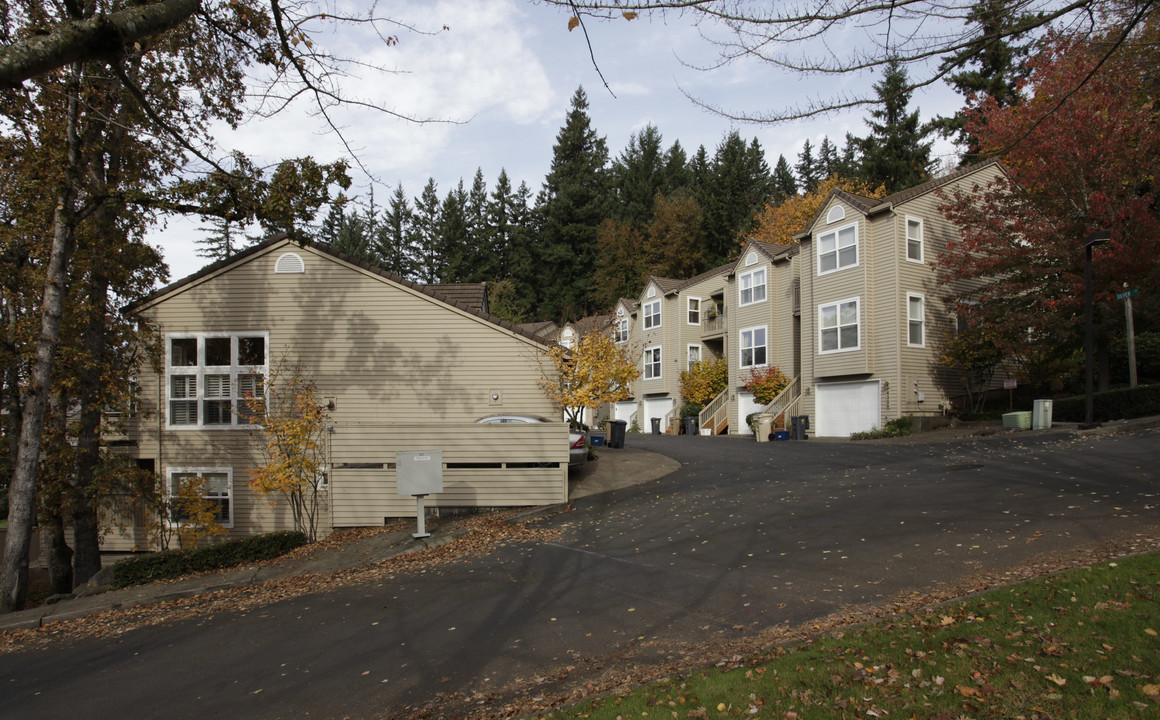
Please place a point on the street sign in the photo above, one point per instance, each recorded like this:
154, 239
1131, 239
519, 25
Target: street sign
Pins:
1009, 385
1128, 294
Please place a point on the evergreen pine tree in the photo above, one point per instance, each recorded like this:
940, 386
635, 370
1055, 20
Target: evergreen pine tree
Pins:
224, 239
391, 242
809, 172
996, 68
524, 254
636, 176
454, 241
784, 183
571, 205
429, 261
828, 159
676, 173
896, 153
738, 183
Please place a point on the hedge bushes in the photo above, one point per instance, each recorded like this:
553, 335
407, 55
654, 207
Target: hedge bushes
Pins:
1111, 405
169, 564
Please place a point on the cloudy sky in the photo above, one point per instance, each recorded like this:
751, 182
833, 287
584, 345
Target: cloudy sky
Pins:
501, 76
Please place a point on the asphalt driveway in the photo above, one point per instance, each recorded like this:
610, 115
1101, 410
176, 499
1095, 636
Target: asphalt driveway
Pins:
742, 538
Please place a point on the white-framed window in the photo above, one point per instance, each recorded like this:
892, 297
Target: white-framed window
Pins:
652, 363
694, 355
838, 326
751, 259
915, 320
219, 490
914, 244
835, 214
620, 331
652, 314
751, 287
568, 338
838, 249
211, 378
753, 347
694, 311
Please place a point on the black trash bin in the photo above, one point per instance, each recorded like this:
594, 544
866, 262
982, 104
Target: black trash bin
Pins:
798, 426
691, 425
616, 429
656, 426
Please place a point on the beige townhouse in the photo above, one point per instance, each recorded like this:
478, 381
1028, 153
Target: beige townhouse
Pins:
873, 317
401, 367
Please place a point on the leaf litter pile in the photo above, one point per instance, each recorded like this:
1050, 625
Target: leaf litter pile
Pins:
474, 536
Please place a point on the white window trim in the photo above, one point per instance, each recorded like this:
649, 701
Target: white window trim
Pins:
741, 347
921, 240
688, 356
659, 362
921, 320
227, 471
838, 304
646, 315
689, 310
621, 331
753, 287
199, 372
837, 250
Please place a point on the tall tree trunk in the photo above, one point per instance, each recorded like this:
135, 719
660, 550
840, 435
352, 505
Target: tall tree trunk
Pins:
52, 509
86, 528
22, 487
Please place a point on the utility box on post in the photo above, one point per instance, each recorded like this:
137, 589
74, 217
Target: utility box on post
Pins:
419, 473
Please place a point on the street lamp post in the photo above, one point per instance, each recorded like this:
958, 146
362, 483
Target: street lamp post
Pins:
1099, 237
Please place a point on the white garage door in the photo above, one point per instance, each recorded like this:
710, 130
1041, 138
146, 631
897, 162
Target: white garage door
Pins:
746, 405
845, 408
623, 410
656, 408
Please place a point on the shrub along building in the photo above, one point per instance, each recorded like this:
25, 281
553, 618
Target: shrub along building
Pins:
400, 367
852, 313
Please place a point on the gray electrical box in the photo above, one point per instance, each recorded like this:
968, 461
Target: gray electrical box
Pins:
419, 472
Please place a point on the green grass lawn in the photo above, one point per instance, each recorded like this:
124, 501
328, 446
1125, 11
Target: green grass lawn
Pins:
1082, 644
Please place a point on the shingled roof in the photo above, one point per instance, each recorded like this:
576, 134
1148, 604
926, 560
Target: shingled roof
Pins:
454, 295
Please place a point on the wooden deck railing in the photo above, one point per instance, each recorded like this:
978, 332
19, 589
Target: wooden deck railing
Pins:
715, 414
786, 402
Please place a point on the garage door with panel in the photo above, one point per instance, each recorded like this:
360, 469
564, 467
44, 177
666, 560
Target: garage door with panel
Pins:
848, 407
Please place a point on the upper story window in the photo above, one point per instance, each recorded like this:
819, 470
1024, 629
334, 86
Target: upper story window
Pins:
752, 286
838, 326
753, 348
694, 311
620, 330
652, 314
694, 355
914, 248
213, 379
915, 320
568, 338
652, 363
838, 249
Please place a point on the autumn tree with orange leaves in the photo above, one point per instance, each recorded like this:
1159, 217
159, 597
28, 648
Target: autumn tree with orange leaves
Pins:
593, 372
778, 223
294, 443
1081, 155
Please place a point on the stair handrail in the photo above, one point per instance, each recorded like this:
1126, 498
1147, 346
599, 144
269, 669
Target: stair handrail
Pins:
710, 411
786, 399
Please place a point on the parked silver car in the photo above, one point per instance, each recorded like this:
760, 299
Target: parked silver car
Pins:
577, 445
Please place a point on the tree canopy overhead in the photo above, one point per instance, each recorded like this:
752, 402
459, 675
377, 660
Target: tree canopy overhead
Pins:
931, 39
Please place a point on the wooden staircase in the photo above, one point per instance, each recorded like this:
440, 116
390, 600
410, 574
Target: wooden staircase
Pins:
785, 404
715, 416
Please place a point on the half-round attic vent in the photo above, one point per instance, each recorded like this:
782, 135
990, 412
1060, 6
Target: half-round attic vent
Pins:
290, 263
751, 259
836, 213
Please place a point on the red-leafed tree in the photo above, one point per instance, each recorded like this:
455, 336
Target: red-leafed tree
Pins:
1079, 160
